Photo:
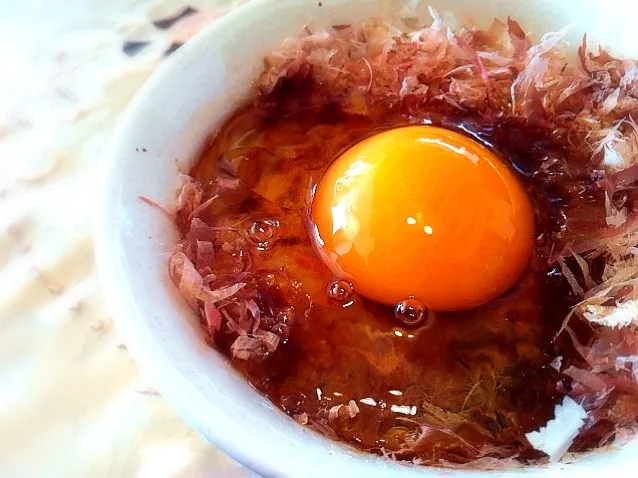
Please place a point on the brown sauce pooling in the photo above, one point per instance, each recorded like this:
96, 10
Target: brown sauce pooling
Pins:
464, 386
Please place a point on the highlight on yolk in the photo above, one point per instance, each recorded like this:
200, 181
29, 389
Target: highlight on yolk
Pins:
423, 212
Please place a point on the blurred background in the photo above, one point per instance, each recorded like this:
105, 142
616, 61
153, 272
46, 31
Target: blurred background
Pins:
72, 402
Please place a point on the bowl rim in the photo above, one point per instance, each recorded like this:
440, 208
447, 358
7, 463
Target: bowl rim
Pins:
151, 357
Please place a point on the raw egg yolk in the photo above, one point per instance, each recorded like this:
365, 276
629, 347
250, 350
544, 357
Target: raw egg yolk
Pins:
426, 213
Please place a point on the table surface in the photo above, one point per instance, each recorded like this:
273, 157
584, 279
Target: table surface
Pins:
72, 401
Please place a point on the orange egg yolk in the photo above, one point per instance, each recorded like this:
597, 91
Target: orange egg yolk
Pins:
423, 212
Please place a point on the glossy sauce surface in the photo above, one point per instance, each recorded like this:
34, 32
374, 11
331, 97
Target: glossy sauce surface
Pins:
423, 212
459, 387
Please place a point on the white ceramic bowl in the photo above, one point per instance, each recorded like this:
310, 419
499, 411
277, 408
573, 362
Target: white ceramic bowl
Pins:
180, 106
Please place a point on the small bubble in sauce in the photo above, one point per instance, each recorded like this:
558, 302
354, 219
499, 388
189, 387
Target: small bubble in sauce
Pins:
262, 231
286, 316
411, 312
281, 329
340, 290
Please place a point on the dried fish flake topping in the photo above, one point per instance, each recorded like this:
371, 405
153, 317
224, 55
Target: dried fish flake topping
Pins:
211, 267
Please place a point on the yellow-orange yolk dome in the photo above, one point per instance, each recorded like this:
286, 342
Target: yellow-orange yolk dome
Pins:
423, 212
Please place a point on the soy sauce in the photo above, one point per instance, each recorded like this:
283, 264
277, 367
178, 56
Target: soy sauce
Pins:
466, 385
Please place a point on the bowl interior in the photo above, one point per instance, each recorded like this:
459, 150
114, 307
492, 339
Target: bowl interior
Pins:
162, 133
